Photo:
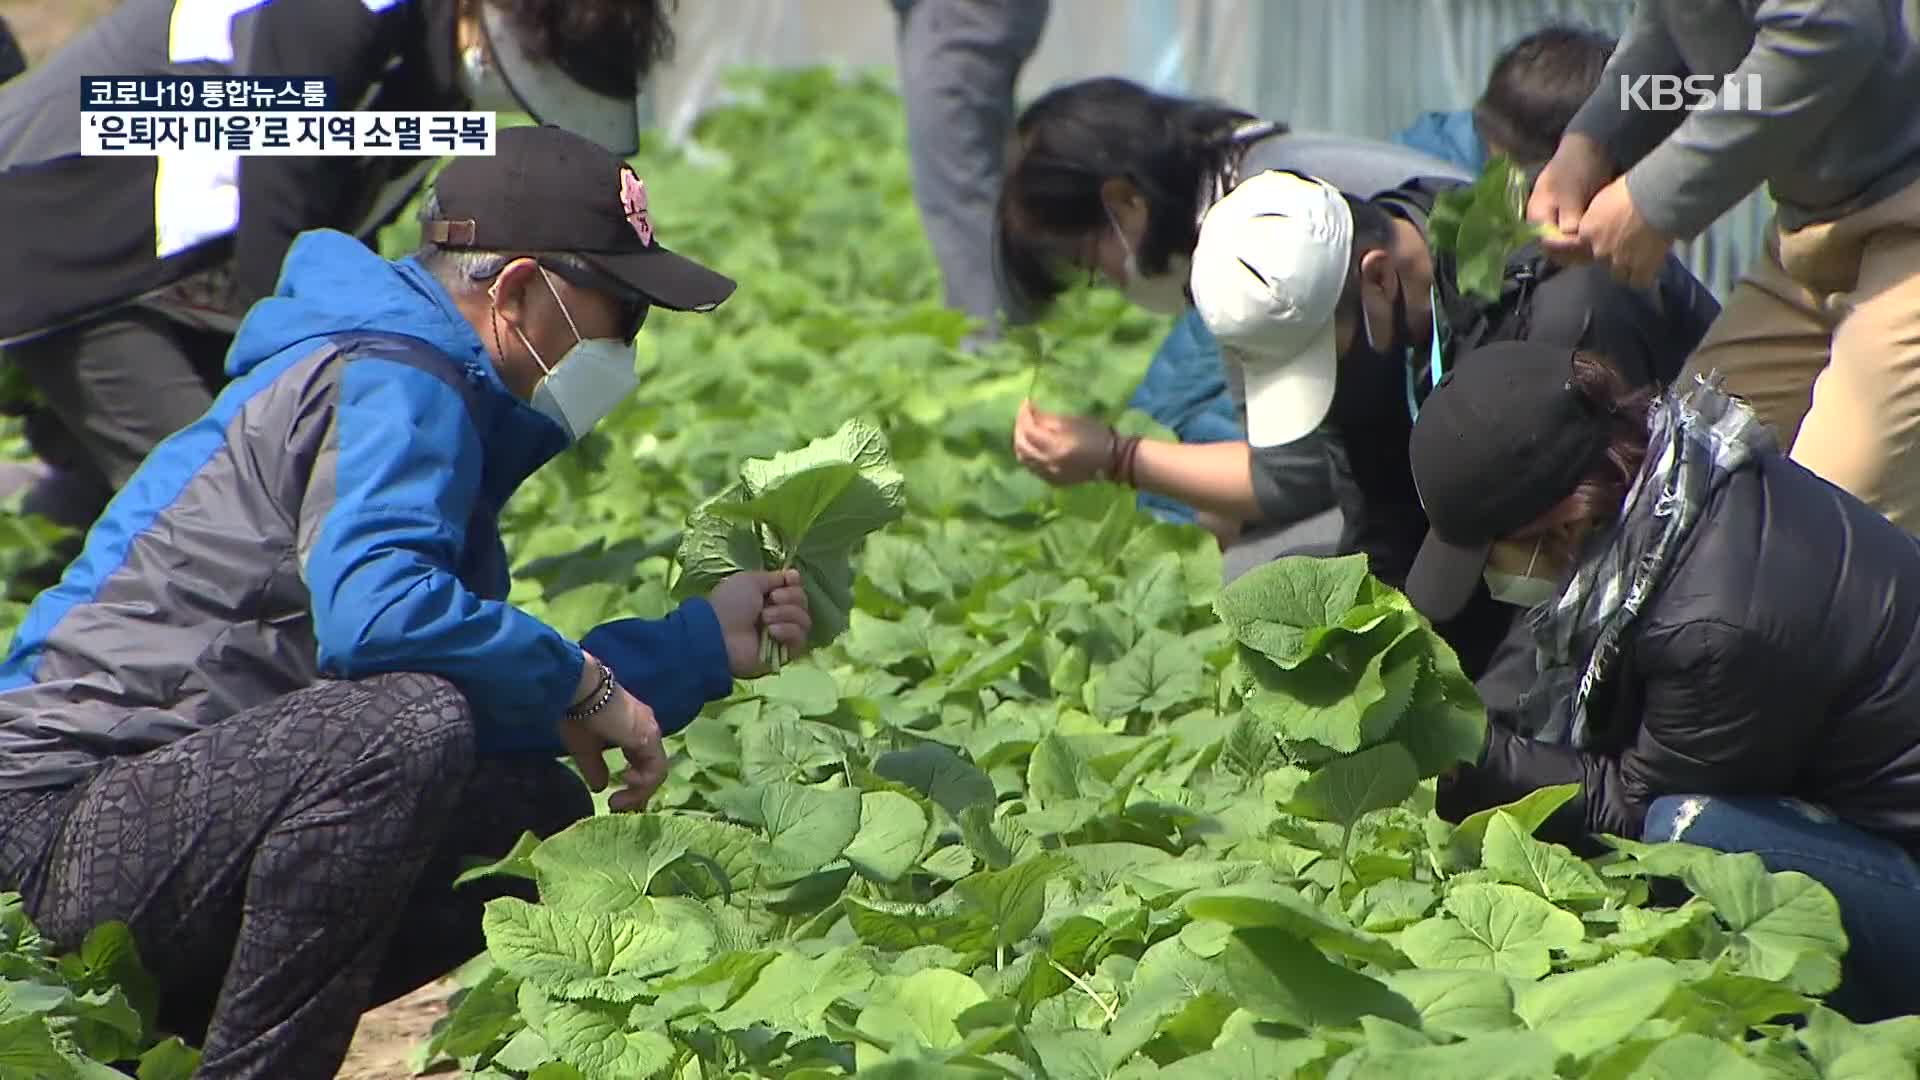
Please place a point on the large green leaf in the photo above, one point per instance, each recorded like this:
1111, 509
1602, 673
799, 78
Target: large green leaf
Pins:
1268, 905
1507, 1056
1501, 928
1159, 674
808, 827
1282, 609
1278, 976
813, 507
607, 864
596, 1038
944, 777
892, 836
1012, 900
924, 1010
1347, 789
27, 1050
1786, 926
1587, 1011
1462, 1003
583, 955
1547, 870
793, 992
1482, 225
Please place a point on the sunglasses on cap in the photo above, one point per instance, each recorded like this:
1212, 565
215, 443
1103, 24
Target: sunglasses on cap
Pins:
633, 307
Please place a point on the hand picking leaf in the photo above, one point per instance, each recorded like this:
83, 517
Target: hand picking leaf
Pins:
1482, 225
807, 509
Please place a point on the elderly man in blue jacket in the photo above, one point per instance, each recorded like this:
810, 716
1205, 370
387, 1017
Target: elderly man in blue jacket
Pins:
280, 696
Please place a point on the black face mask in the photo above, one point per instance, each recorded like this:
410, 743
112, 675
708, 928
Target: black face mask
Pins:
1371, 385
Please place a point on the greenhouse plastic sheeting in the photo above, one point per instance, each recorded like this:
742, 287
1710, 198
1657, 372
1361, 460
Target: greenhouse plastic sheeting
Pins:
1365, 67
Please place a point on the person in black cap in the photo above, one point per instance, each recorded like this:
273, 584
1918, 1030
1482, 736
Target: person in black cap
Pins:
281, 696
1727, 641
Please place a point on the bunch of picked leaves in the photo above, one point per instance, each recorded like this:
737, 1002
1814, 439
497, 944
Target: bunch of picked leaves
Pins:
1350, 681
809, 509
1483, 224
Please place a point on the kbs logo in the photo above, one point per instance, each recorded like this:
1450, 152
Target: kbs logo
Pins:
1690, 93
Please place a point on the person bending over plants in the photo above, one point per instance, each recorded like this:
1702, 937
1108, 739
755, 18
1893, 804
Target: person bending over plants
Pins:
1726, 640
1536, 85
1112, 178
1815, 99
1334, 315
280, 697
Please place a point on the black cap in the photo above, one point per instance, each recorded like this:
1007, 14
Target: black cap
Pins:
1504, 437
547, 191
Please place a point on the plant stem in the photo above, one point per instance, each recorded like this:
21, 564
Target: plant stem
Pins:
1339, 877
1086, 988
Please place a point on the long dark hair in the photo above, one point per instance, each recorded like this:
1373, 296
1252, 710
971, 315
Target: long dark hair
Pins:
1073, 139
1602, 492
608, 46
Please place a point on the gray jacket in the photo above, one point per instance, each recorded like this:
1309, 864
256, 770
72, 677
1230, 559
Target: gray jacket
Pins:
1837, 127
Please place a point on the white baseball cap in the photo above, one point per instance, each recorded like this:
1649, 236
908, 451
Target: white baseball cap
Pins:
1267, 275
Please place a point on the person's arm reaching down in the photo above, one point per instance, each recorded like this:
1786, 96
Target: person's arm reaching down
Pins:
381, 567
676, 665
1709, 724
1808, 58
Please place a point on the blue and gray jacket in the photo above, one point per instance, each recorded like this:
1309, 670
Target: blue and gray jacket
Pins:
334, 515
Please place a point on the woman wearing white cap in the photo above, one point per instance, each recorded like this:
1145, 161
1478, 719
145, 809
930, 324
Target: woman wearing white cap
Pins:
1727, 646
1110, 176
1333, 317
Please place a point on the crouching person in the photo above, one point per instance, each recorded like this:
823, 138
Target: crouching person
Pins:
280, 698
1726, 640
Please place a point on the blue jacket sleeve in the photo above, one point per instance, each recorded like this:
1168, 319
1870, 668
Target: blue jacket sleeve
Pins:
382, 572
676, 664
1449, 136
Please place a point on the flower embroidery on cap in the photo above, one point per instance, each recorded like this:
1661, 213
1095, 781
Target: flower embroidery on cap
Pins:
633, 198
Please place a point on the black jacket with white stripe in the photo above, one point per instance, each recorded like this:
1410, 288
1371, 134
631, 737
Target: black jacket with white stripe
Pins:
88, 234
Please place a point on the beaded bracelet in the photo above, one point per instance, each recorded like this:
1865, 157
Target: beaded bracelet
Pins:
601, 695
1121, 451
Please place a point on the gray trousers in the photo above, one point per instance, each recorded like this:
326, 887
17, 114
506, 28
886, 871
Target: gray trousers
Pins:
116, 386
959, 60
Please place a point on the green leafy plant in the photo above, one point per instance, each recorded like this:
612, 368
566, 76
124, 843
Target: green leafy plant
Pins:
74, 1017
1483, 224
1347, 677
1025, 817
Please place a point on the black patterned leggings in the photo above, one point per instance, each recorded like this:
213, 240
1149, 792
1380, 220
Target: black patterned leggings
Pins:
291, 867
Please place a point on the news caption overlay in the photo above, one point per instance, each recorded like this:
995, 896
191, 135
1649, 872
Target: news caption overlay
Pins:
127, 116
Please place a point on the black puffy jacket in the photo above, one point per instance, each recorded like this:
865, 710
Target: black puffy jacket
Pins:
1780, 657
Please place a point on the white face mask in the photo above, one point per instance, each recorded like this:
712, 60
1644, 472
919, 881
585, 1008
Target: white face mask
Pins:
1522, 590
481, 82
595, 376
1162, 294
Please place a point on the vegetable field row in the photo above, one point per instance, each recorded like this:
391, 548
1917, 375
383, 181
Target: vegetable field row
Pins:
1050, 806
